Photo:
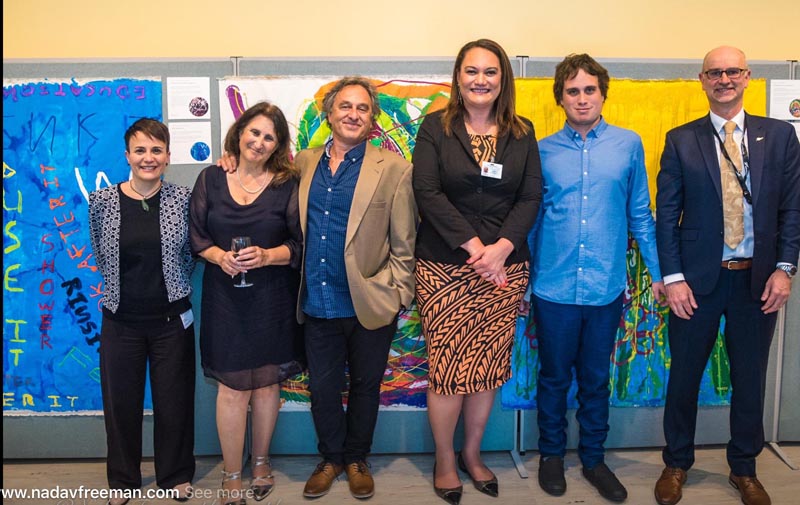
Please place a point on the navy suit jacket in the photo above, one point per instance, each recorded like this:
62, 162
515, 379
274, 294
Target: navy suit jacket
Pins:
689, 222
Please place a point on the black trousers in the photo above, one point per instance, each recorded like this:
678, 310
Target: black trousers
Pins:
125, 351
748, 335
334, 346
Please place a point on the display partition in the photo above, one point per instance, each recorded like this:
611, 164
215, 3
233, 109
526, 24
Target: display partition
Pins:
81, 434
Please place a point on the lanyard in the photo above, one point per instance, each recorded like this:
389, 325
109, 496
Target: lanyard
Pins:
740, 176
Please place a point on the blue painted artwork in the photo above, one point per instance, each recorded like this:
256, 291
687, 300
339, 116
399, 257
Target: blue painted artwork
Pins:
61, 141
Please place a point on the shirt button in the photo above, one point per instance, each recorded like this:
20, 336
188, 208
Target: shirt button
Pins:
326, 212
580, 269
586, 173
324, 283
586, 150
583, 221
329, 190
581, 247
323, 237
585, 197
323, 259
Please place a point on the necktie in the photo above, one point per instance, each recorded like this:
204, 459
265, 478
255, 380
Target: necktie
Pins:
732, 205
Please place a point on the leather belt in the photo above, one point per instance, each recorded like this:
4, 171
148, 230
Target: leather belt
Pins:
737, 264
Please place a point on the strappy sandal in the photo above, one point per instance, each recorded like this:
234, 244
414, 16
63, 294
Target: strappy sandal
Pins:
260, 486
229, 493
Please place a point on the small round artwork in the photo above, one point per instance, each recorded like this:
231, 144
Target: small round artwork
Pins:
794, 108
198, 106
200, 151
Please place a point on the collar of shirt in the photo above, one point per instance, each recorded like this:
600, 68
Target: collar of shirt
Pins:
353, 155
597, 131
718, 122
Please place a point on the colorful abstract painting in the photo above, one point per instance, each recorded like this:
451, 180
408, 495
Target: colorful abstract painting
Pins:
61, 140
403, 102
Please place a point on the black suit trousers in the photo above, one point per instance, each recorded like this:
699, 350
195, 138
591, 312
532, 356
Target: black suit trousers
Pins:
126, 351
748, 335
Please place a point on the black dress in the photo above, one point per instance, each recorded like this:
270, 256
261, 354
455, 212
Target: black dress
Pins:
249, 337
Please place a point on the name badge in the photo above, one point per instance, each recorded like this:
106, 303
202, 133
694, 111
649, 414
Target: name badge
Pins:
187, 318
493, 170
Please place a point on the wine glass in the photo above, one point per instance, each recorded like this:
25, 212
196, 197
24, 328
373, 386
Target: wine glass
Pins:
237, 244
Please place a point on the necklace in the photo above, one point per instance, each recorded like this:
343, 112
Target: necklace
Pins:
251, 191
145, 207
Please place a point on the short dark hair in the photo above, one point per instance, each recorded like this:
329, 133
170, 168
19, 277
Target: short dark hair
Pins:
569, 68
505, 114
153, 128
330, 96
280, 162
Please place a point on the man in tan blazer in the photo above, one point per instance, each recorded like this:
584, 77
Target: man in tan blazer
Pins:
359, 220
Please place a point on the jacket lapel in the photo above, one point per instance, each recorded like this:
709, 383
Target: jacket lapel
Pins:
705, 143
460, 131
306, 175
368, 179
755, 150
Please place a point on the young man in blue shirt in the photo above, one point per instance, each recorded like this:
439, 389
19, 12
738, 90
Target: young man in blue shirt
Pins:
595, 193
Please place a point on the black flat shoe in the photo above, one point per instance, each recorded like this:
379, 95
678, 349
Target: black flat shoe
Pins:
606, 483
489, 487
551, 475
188, 490
450, 495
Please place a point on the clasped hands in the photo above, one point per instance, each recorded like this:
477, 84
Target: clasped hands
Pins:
247, 259
488, 261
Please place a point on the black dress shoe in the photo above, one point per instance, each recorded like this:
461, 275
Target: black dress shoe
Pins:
484, 486
451, 495
610, 488
551, 475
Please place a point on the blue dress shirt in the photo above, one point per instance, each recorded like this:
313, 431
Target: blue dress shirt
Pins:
329, 199
595, 192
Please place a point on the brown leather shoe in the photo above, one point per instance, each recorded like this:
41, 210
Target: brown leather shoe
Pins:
750, 488
361, 484
669, 486
321, 479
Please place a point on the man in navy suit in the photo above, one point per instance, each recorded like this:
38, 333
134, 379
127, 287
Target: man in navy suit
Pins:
709, 273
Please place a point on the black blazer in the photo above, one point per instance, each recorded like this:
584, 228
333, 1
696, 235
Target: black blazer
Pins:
689, 222
456, 203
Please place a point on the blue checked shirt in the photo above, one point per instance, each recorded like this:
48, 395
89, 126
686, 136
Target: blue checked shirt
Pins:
595, 192
329, 199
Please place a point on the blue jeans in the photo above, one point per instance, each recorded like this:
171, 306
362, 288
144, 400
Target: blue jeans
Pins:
579, 336
334, 346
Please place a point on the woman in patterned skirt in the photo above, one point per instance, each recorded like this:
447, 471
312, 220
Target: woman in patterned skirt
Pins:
477, 182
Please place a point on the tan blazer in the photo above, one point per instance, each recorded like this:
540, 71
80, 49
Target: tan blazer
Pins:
381, 234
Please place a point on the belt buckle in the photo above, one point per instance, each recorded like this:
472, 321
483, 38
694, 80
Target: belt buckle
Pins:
731, 263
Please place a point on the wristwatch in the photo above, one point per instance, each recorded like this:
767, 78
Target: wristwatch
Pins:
789, 270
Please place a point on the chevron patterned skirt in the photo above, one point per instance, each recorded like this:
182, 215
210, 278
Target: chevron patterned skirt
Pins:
468, 325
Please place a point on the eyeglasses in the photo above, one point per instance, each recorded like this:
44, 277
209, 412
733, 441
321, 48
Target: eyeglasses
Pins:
732, 73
